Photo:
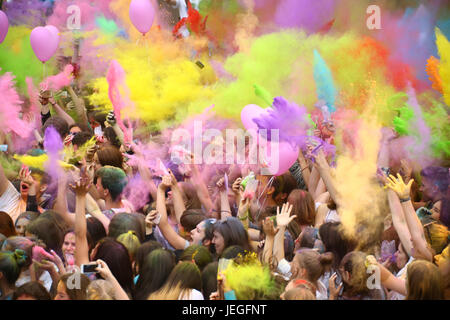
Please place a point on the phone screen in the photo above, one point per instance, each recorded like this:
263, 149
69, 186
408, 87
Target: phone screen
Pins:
88, 268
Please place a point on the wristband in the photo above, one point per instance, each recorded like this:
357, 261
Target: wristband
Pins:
405, 200
230, 295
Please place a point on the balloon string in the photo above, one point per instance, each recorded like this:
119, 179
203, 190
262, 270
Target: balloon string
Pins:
43, 71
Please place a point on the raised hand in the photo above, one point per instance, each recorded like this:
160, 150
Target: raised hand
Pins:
334, 292
405, 169
166, 182
25, 176
104, 270
221, 184
269, 229
82, 186
398, 185
283, 217
152, 218
237, 186
111, 118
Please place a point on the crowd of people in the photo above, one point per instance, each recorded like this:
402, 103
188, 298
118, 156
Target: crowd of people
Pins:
70, 229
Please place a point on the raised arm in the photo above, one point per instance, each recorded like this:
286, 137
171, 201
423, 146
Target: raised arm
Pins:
270, 232
399, 221
60, 112
325, 173
200, 186
177, 194
225, 209
414, 225
106, 274
304, 167
283, 219
169, 233
4, 182
60, 206
81, 188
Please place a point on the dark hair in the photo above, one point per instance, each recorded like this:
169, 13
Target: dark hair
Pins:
191, 218
198, 254
47, 231
113, 179
154, 273
283, 184
81, 138
59, 124
7, 227
124, 222
111, 136
309, 237
33, 289
187, 275
334, 241
209, 279
116, 256
303, 207
96, 230
232, 252
233, 233
193, 202
11, 264
100, 117
29, 215
110, 156
76, 293
142, 252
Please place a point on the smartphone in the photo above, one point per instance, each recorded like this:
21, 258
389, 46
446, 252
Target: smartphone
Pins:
3, 147
89, 268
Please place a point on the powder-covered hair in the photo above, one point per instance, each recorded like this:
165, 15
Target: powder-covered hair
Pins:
113, 179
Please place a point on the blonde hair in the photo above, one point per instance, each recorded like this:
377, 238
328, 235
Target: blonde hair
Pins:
168, 292
131, 242
437, 236
313, 262
424, 281
299, 293
100, 290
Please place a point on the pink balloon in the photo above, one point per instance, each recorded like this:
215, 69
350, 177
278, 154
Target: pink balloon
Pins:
44, 41
250, 112
284, 157
54, 30
4, 26
142, 14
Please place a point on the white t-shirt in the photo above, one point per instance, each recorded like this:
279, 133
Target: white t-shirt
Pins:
332, 215
45, 279
401, 274
183, 12
192, 294
10, 202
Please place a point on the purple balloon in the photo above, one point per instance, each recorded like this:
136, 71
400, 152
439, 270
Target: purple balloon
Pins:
4, 25
44, 41
142, 14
